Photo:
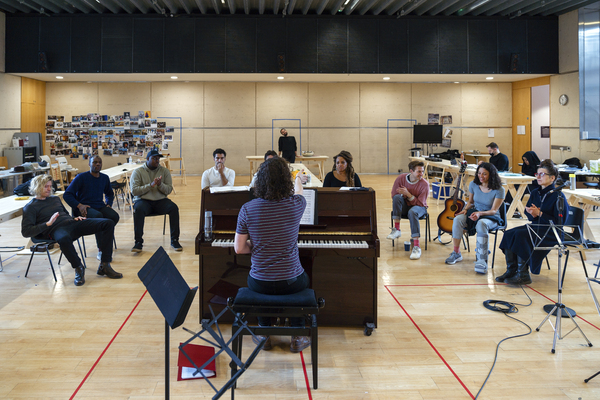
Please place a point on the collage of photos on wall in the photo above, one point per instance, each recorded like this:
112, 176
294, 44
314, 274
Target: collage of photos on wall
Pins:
107, 135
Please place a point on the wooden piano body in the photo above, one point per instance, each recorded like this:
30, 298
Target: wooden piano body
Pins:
345, 277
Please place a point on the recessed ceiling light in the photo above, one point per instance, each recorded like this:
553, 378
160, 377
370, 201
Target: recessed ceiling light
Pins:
280, 78
456, 82
173, 77
386, 78
59, 77
489, 78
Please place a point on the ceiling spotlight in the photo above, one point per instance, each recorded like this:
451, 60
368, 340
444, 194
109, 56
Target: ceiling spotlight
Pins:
280, 78
386, 78
489, 78
173, 77
456, 82
60, 77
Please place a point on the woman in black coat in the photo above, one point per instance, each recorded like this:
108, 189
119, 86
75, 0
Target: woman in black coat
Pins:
518, 243
529, 167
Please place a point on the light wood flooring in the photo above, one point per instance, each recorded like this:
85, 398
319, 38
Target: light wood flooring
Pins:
434, 339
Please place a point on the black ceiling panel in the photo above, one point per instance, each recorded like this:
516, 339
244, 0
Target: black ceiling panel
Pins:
423, 46
363, 49
117, 45
454, 49
301, 54
241, 45
210, 45
86, 44
270, 45
148, 49
179, 45
332, 45
22, 44
55, 41
483, 45
511, 46
393, 46
542, 43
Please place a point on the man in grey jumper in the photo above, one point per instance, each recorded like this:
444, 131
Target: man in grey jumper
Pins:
150, 185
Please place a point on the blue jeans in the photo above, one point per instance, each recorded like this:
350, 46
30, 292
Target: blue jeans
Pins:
289, 286
483, 228
413, 213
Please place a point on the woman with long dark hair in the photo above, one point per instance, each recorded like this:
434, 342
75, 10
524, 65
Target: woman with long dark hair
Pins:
517, 244
482, 211
267, 228
342, 173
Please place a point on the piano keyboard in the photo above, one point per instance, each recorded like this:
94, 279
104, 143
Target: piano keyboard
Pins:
312, 244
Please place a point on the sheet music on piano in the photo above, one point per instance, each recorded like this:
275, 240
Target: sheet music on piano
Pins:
227, 189
310, 216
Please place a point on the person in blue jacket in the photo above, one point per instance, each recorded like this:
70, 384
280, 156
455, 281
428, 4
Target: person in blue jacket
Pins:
90, 195
518, 243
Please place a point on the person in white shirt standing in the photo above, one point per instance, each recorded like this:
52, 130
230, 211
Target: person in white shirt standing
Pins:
219, 175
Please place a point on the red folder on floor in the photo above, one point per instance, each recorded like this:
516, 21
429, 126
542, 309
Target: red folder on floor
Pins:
200, 355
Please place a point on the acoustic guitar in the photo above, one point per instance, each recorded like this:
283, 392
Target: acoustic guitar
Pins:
452, 205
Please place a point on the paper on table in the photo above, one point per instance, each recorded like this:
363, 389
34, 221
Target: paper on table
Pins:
188, 373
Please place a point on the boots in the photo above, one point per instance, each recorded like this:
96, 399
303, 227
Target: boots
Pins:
522, 277
511, 266
79, 275
106, 269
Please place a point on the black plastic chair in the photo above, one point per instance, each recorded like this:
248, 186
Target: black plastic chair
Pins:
427, 227
41, 245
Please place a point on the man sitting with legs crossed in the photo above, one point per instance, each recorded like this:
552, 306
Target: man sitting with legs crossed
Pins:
409, 197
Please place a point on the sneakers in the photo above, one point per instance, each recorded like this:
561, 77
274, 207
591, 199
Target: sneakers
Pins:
396, 233
175, 244
454, 258
258, 338
137, 247
481, 266
416, 253
299, 343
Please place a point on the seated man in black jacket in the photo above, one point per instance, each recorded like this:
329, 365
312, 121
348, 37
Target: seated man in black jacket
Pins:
497, 159
45, 218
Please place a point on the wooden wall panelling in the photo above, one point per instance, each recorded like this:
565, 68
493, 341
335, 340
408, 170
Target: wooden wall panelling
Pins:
521, 114
33, 107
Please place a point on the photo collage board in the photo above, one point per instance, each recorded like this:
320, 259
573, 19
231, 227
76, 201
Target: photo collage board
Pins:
107, 135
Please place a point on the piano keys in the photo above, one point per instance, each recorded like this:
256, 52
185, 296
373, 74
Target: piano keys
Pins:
339, 255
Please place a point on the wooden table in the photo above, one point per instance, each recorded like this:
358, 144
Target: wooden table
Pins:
587, 197
11, 208
313, 180
485, 157
255, 162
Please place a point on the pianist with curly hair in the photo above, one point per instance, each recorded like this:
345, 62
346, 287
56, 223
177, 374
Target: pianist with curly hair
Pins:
267, 228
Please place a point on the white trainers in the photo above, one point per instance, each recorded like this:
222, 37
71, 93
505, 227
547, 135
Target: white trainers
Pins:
396, 233
481, 266
416, 253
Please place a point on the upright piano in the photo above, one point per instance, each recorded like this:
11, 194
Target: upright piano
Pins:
339, 254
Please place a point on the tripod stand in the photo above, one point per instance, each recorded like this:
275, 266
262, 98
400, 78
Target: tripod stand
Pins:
559, 307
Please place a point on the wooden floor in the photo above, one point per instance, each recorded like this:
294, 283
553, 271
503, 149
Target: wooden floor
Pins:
434, 339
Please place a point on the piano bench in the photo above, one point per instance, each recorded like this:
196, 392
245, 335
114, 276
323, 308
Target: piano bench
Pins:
252, 304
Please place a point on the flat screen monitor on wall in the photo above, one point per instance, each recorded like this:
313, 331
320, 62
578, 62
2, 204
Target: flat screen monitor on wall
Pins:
427, 133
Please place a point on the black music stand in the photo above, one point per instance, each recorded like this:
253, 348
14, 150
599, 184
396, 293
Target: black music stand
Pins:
224, 346
559, 309
171, 294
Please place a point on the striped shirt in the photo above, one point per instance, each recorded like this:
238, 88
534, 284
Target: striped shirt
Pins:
273, 227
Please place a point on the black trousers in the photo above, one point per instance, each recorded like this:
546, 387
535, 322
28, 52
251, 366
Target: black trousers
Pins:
143, 208
66, 234
104, 212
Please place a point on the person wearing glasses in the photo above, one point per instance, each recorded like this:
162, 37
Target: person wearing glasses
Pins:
480, 215
517, 243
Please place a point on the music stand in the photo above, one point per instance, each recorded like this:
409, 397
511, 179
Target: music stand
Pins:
170, 292
562, 249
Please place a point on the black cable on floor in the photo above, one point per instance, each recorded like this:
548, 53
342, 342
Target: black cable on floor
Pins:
505, 308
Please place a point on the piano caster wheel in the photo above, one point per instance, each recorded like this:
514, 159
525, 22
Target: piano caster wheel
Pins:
369, 327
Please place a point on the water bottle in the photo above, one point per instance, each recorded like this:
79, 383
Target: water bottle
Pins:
585, 167
27, 141
130, 161
208, 233
573, 184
